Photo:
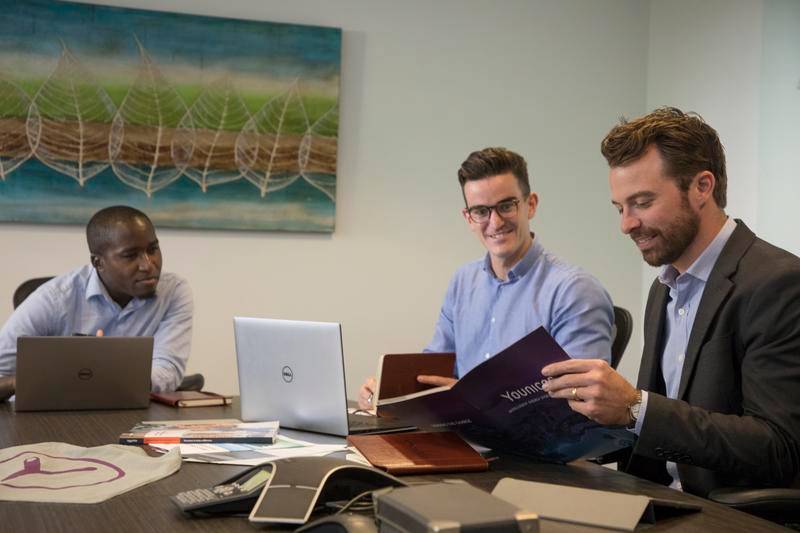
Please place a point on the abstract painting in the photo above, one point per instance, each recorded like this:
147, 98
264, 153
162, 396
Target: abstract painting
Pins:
201, 122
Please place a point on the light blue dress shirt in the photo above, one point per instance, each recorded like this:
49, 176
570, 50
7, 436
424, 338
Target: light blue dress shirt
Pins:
78, 302
482, 314
685, 292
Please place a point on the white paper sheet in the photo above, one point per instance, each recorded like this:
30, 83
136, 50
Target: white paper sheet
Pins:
251, 454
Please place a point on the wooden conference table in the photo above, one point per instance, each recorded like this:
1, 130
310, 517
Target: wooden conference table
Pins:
149, 508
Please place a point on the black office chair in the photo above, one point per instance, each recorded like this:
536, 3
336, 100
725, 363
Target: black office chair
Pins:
193, 382
776, 505
623, 327
27, 287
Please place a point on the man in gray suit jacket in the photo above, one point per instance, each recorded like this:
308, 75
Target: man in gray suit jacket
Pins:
716, 402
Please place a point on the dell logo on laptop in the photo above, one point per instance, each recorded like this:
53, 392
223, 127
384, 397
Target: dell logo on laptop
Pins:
287, 374
85, 373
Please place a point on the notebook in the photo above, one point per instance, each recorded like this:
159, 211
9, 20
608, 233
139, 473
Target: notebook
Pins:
189, 398
293, 372
66, 373
398, 373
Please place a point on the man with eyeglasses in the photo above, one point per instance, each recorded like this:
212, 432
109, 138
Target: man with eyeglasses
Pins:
518, 286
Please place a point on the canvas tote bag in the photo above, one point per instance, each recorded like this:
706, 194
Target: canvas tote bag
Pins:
62, 473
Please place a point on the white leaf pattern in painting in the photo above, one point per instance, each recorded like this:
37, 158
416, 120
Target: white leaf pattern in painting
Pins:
68, 121
142, 130
317, 154
205, 141
14, 146
266, 151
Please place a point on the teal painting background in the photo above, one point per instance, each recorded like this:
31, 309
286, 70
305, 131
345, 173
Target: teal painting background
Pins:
262, 59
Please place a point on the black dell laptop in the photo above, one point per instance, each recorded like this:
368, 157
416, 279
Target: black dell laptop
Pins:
66, 373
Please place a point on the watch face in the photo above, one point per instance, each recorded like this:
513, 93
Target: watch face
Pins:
633, 411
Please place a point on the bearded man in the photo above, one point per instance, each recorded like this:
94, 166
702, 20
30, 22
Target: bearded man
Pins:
716, 401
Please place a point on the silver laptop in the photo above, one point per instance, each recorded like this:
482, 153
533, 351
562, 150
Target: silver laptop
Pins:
64, 373
292, 372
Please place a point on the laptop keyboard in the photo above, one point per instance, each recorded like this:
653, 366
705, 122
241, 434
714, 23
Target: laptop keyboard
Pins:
367, 424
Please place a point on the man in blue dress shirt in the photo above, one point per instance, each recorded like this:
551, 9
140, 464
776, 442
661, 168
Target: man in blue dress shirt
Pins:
518, 286
716, 401
121, 293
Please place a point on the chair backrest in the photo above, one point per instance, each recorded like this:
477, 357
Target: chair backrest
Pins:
623, 326
27, 287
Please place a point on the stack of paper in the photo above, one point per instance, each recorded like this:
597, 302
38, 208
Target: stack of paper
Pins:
251, 454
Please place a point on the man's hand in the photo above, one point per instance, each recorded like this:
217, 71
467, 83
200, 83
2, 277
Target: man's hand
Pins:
7, 386
592, 388
436, 381
366, 394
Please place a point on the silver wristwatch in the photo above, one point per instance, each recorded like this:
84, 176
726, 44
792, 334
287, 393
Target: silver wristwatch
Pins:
633, 410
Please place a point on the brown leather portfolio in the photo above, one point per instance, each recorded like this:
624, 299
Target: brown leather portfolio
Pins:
399, 371
419, 452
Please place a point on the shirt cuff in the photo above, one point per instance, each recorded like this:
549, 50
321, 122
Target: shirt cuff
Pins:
162, 379
642, 411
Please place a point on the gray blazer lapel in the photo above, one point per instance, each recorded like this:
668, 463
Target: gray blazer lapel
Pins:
653, 336
718, 287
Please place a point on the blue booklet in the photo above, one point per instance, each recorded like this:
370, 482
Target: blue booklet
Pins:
500, 404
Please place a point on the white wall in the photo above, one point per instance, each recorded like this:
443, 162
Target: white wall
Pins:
779, 156
737, 63
423, 84
706, 57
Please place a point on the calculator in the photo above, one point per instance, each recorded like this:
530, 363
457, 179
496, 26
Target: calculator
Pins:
237, 495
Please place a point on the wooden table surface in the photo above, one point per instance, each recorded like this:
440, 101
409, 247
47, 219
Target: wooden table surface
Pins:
149, 508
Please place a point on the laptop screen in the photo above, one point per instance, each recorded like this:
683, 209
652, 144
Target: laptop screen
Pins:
293, 372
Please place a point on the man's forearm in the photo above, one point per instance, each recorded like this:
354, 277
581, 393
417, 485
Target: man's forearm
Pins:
7, 387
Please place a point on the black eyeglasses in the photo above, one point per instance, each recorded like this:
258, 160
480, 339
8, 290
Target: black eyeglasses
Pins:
482, 213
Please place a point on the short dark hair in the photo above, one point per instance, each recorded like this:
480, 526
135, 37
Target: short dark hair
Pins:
686, 143
100, 228
493, 162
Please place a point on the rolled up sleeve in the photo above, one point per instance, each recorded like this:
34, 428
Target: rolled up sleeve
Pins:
172, 340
